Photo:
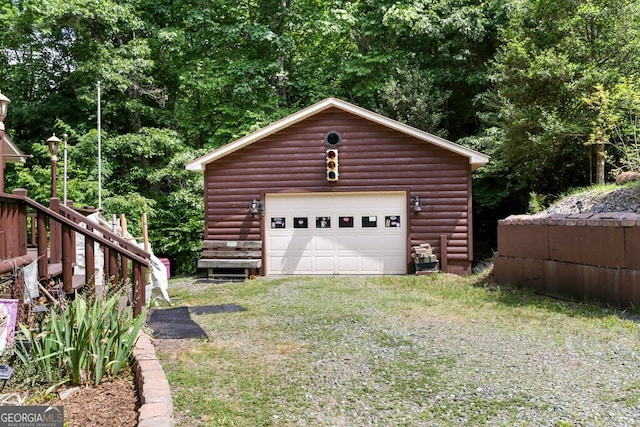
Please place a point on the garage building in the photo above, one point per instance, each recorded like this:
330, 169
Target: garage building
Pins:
337, 189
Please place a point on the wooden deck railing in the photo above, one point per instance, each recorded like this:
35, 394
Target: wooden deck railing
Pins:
53, 230
13, 235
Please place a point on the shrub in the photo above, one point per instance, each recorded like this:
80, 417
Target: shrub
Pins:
536, 203
82, 343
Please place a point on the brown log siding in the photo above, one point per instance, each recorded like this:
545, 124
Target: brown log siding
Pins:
371, 157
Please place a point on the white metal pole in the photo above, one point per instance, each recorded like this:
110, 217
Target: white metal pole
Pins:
99, 152
65, 137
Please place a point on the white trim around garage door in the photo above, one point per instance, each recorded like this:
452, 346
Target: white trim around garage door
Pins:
336, 233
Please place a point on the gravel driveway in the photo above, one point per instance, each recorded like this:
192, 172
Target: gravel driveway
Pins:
407, 352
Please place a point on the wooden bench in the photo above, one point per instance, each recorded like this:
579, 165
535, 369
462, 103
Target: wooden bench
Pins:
223, 258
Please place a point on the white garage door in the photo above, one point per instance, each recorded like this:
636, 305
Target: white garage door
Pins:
336, 233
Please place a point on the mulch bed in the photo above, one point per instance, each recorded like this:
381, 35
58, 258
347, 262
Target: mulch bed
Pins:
113, 404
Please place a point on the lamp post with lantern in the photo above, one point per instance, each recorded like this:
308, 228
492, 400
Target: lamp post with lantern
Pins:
4, 105
54, 147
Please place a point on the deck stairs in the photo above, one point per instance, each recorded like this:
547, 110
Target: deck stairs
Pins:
31, 232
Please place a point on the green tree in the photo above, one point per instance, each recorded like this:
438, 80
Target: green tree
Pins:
603, 125
443, 48
181, 78
145, 173
553, 54
224, 63
616, 126
54, 53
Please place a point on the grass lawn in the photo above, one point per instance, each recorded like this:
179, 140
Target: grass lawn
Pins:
399, 351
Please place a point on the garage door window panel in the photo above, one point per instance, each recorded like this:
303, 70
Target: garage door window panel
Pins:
278, 222
346, 222
370, 221
301, 222
392, 221
323, 222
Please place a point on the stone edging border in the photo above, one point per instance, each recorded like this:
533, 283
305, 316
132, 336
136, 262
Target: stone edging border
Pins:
156, 408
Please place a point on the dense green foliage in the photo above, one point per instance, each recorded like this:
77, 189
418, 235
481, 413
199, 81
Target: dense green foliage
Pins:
516, 79
552, 55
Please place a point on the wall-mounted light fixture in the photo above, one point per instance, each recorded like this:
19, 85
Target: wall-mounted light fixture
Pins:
256, 207
416, 204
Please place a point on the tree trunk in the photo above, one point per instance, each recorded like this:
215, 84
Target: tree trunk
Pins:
600, 163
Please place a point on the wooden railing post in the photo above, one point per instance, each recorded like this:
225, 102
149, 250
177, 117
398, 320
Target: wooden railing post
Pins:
89, 260
43, 260
68, 259
124, 270
444, 265
3, 232
55, 228
11, 236
106, 272
32, 228
138, 288
114, 276
8, 230
22, 222
124, 262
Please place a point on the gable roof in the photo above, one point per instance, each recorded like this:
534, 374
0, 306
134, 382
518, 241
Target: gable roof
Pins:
12, 153
476, 159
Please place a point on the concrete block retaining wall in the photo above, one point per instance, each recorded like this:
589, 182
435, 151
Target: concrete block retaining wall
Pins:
592, 256
156, 408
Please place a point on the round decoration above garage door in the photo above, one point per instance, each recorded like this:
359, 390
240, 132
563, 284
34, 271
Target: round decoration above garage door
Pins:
336, 233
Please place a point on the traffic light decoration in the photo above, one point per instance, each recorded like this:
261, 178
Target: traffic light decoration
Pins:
332, 164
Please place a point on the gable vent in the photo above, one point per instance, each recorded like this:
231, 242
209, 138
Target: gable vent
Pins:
332, 138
